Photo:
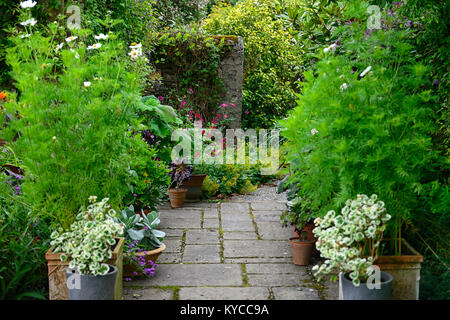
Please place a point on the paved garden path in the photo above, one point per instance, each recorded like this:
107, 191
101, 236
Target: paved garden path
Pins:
235, 250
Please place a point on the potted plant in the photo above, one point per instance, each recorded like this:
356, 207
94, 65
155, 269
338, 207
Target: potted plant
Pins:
179, 172
194, 185
301, 248
87, 246
349, 242
142, 240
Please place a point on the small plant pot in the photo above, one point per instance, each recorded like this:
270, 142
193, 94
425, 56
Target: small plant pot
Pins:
194, 187
301, 251
363, 292
310, 236
177, 197
90, 287
153, 255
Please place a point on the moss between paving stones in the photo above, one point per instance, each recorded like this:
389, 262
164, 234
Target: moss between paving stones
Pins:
222, 248
254, 223
244, 275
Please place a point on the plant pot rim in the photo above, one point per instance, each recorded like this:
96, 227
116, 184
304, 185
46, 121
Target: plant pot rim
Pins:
415, 257
177, 190
293, 239
147, 253
114, 270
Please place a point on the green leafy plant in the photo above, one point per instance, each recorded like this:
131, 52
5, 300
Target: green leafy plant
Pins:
89, 243
362, 124
141, 229
349, 241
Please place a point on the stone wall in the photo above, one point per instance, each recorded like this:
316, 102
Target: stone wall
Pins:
231, 71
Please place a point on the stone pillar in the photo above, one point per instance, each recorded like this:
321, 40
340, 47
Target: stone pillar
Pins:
231, 71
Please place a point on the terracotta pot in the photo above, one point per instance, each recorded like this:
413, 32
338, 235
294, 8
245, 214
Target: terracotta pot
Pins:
194, 187
406, 272
57, 272
310, 236
177, 197
153, 255
301, 251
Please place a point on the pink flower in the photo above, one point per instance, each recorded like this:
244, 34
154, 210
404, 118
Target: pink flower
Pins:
224, 105
191, 91
232, 105
246, 112
183, 103
161, 98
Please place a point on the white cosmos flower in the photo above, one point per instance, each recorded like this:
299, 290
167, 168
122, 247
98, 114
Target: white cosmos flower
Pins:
101, 36
137, 47
332, 47
94, 46
87, 84
24, 35
134, 54
28, 4
344, 86
314, 131
59, 46
30, 22
71, 38
365, 71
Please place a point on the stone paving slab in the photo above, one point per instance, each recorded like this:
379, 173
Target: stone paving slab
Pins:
268, 268
203, 236
172, 246
200, 205
173, 233
240, 235
293, 293
235, 207
267, 216
193, 275
148, 294
259, 260
211, 223
273, 231
180, 223
230, 225
276, 280
166, 257
236, 217
268, 205
211, 213
224, 293
255, 248
199, 253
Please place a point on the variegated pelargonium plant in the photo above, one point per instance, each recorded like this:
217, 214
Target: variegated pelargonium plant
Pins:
88, 244
349, 241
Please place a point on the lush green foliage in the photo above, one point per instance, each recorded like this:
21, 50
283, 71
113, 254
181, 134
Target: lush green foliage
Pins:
359, 129
191, 58
279, 37
72, 147
23, 243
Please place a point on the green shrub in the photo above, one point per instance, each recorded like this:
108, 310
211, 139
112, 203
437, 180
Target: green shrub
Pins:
23, 243
364, 130
72, 125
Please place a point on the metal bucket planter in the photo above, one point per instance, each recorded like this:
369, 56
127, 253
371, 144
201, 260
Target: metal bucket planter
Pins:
194, 187
406, 272
90, 287
350, 292
57, 272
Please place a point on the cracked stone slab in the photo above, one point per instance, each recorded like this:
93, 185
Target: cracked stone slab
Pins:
293, 293
211, 213
274, 231
276, 280
169, 258
230, 225
256, 248
235, 207
172, 245
258, 260
268, 205
202, 236
211, 224
283, 268
199, 253
224, 293
148, 294
267, 216
193, 275
240, 235
173, 233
